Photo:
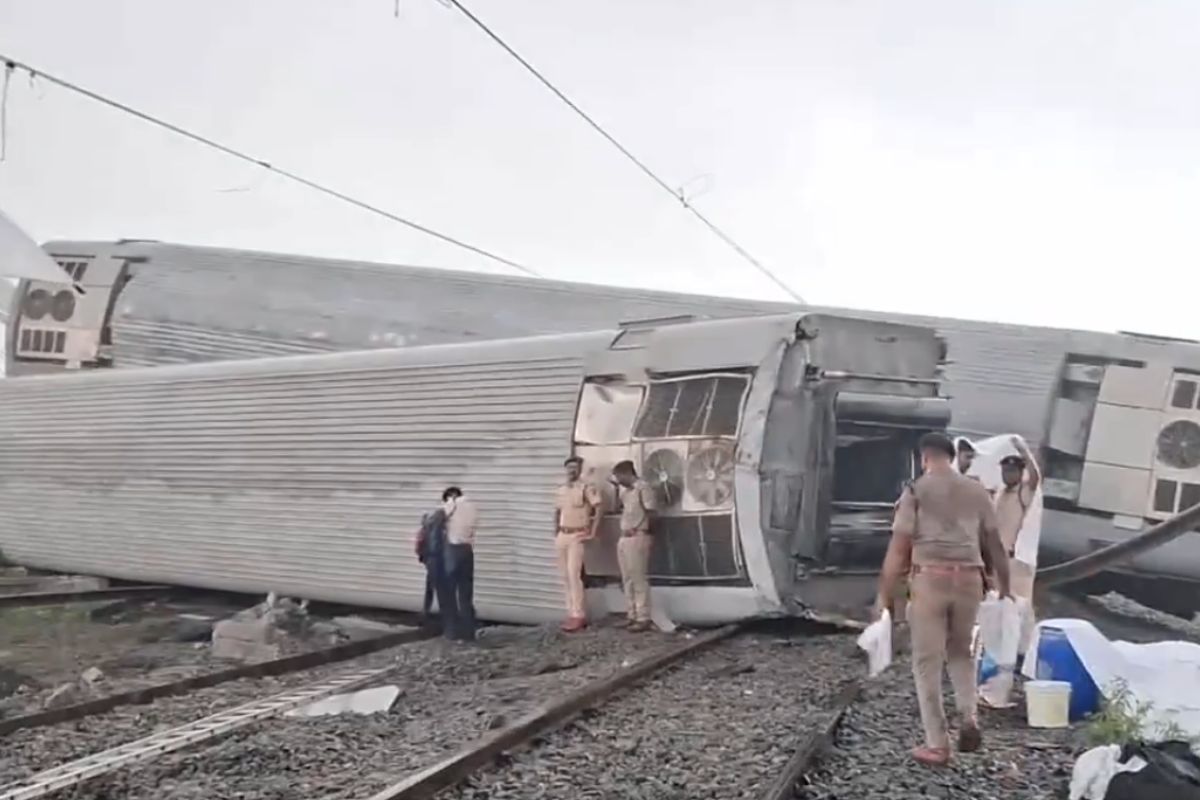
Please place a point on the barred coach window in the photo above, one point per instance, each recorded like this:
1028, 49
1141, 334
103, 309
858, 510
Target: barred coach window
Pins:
707, 406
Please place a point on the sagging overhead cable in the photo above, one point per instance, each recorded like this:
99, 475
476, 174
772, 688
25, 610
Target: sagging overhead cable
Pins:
649, 173
1185, 521
11, 64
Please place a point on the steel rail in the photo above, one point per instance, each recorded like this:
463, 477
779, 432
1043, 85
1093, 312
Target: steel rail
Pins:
458, 767
279, 666
812, 744
223, 723
85, 596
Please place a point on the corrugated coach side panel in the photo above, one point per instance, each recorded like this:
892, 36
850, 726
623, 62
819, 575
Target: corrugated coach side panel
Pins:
309, 483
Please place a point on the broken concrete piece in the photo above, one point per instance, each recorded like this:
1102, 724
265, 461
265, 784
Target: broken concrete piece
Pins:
91, 676
238, 640
65, 695
368, 701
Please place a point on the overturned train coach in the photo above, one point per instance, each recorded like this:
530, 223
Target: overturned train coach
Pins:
776, 446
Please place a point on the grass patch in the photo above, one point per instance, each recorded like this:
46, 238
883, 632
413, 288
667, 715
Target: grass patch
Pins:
1122, 720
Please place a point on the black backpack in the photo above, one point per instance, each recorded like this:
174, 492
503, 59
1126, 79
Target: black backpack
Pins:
433, 535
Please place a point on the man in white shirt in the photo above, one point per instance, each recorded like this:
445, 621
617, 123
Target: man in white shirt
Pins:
462, 518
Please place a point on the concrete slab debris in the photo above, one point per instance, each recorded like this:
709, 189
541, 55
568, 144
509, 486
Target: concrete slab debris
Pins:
238, 640
91, 676
377, 700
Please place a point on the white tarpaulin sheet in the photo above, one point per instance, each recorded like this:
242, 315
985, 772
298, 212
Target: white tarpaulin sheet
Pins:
986, 467
20, 256
1165, 675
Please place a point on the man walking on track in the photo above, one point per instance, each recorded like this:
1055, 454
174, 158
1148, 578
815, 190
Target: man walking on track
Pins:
577, 515
945, 533
633, 548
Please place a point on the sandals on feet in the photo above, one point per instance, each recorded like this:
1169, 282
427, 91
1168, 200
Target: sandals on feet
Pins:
932, 756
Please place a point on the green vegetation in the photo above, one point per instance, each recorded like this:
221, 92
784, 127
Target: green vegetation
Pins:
1122, 721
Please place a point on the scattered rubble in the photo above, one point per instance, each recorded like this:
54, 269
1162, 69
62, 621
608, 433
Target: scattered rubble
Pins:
19, 581
67, 694
360, 628
91, 676
1123, 606
83, 651
11, 681
252, 640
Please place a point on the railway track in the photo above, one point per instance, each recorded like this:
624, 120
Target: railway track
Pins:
275, 667
727, 713
28, 599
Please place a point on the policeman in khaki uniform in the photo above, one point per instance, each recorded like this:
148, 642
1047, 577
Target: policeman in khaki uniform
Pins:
577, 513
633, 548
945, 535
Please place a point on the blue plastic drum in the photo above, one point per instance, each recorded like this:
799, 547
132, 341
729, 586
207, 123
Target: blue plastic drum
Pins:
1057, 661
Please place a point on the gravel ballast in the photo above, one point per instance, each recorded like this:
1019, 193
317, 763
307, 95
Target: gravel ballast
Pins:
871, 759
450, 695
720, 725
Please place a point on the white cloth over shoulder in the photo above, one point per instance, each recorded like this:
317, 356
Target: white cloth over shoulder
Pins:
986, 467
876, 640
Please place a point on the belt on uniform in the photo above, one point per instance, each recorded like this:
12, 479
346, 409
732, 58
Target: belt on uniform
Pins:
572, 530
947, 569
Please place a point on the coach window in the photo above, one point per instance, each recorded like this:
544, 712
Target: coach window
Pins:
607, 411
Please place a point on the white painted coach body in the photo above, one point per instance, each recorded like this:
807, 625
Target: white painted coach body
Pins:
307, 475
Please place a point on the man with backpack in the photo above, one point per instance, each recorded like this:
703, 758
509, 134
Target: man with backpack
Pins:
430, 549
446, 546
633, 548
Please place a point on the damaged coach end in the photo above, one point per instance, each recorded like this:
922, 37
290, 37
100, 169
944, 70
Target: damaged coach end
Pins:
775, 446
852, 398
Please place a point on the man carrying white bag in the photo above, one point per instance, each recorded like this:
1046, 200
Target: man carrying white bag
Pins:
1007, 468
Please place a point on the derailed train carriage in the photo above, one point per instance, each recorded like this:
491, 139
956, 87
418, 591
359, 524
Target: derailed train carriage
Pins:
776, 446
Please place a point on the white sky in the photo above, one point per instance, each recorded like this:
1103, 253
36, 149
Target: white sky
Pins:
1020, 161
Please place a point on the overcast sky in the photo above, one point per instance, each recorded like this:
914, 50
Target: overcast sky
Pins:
1021, 160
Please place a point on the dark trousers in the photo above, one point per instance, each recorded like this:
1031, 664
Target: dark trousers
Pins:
430, 582
456, 592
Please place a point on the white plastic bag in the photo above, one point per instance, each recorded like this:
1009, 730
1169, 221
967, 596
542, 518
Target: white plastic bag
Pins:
1000, 628
876, 640
1000, 638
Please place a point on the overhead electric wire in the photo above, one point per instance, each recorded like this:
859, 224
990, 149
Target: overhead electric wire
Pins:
649, 173
11, 63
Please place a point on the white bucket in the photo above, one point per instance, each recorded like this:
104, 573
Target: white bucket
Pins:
1048, 704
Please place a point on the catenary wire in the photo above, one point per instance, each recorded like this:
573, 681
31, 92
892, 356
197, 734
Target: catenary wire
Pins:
11, 63
649, 173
